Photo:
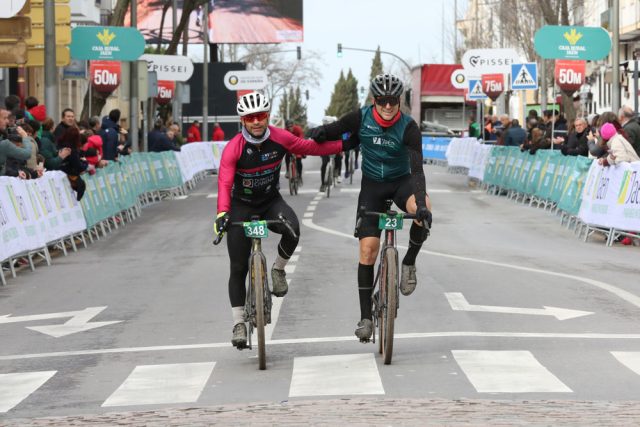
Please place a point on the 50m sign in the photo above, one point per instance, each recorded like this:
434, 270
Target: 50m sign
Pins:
570, 75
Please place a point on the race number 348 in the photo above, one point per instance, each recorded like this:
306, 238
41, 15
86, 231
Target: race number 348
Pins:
256, 229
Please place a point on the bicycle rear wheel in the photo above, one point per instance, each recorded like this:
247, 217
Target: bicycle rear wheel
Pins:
328, 179
292, 178
351, 167
389, 301
257, 275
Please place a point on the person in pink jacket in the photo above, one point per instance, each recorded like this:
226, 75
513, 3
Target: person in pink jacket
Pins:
248, 185
620, 150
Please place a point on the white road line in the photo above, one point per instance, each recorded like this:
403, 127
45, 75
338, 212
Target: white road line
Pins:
289, 269
342, 374
311, 208
308, 215
212, 196
16, 387
298, 248
276, 303
180, 197
620, 293
294, 258
415, 335
507, 372
307, 191
630, 359
162, 384
313, 202
430, 191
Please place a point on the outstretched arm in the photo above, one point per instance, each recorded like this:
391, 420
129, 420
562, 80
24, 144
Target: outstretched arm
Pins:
350, 122
302, 146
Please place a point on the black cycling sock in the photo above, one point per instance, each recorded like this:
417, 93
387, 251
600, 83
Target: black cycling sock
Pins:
417, 236
365, 287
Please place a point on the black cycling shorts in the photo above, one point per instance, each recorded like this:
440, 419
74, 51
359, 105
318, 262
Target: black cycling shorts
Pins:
373, 195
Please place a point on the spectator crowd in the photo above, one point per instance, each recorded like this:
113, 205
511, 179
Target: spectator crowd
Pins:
608, 137
585, 136
31, 142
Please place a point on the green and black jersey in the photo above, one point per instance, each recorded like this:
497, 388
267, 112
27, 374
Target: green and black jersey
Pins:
388, 154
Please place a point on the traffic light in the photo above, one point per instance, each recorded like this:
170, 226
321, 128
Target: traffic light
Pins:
339, 50
299, 52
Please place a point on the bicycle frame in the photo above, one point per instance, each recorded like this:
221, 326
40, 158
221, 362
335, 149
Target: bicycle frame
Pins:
388, 270
257, 308
250, 303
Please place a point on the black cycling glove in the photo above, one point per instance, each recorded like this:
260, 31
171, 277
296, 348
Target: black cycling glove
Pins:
318, 134
424, 214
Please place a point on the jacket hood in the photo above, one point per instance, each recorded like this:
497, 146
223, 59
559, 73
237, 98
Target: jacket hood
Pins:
39, 113
108, 123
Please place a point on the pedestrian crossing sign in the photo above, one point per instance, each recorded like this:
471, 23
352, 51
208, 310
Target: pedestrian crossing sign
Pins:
524, 76
475, 89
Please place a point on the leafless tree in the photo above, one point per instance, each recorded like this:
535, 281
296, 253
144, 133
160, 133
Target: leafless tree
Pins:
517, 24
283, 73
98, 100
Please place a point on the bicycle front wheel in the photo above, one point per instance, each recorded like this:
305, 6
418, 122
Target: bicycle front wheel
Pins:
258, 274
389, 299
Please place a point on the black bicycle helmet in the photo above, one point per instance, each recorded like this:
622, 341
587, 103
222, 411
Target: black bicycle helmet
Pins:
386, 85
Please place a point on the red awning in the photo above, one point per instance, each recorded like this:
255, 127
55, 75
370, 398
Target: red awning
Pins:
436, 80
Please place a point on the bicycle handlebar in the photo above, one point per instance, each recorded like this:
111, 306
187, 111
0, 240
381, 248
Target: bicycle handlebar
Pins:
281, 220
362, 212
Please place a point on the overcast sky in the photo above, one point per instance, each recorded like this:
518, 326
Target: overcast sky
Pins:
412, 29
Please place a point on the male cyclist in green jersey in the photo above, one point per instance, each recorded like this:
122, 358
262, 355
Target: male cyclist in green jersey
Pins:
391, 147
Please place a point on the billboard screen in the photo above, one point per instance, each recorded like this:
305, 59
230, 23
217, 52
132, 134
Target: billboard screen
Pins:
230, 21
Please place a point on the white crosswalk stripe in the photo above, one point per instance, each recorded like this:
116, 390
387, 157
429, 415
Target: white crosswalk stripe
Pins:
507, 372
347, 374
514, 371
16, 387
162, 384
630, 359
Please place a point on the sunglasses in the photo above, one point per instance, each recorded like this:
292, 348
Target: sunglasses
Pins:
256, 116
384, 100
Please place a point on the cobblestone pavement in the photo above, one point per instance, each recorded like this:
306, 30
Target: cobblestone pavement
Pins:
367, 412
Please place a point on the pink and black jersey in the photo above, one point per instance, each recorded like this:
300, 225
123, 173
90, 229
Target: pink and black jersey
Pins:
251, 173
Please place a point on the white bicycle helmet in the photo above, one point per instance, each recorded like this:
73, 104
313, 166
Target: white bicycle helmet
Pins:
386, 85
329, 119
253, 102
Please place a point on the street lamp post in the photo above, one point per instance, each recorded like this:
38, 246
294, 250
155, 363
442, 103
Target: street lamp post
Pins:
615, 55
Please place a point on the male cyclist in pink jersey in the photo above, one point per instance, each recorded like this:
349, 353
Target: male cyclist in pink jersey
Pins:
248, 184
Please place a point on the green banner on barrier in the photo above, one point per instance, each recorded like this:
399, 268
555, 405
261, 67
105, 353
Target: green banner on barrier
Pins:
117, 186
548, 174
571, 196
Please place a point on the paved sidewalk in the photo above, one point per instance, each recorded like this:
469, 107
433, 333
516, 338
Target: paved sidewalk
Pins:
367, 412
